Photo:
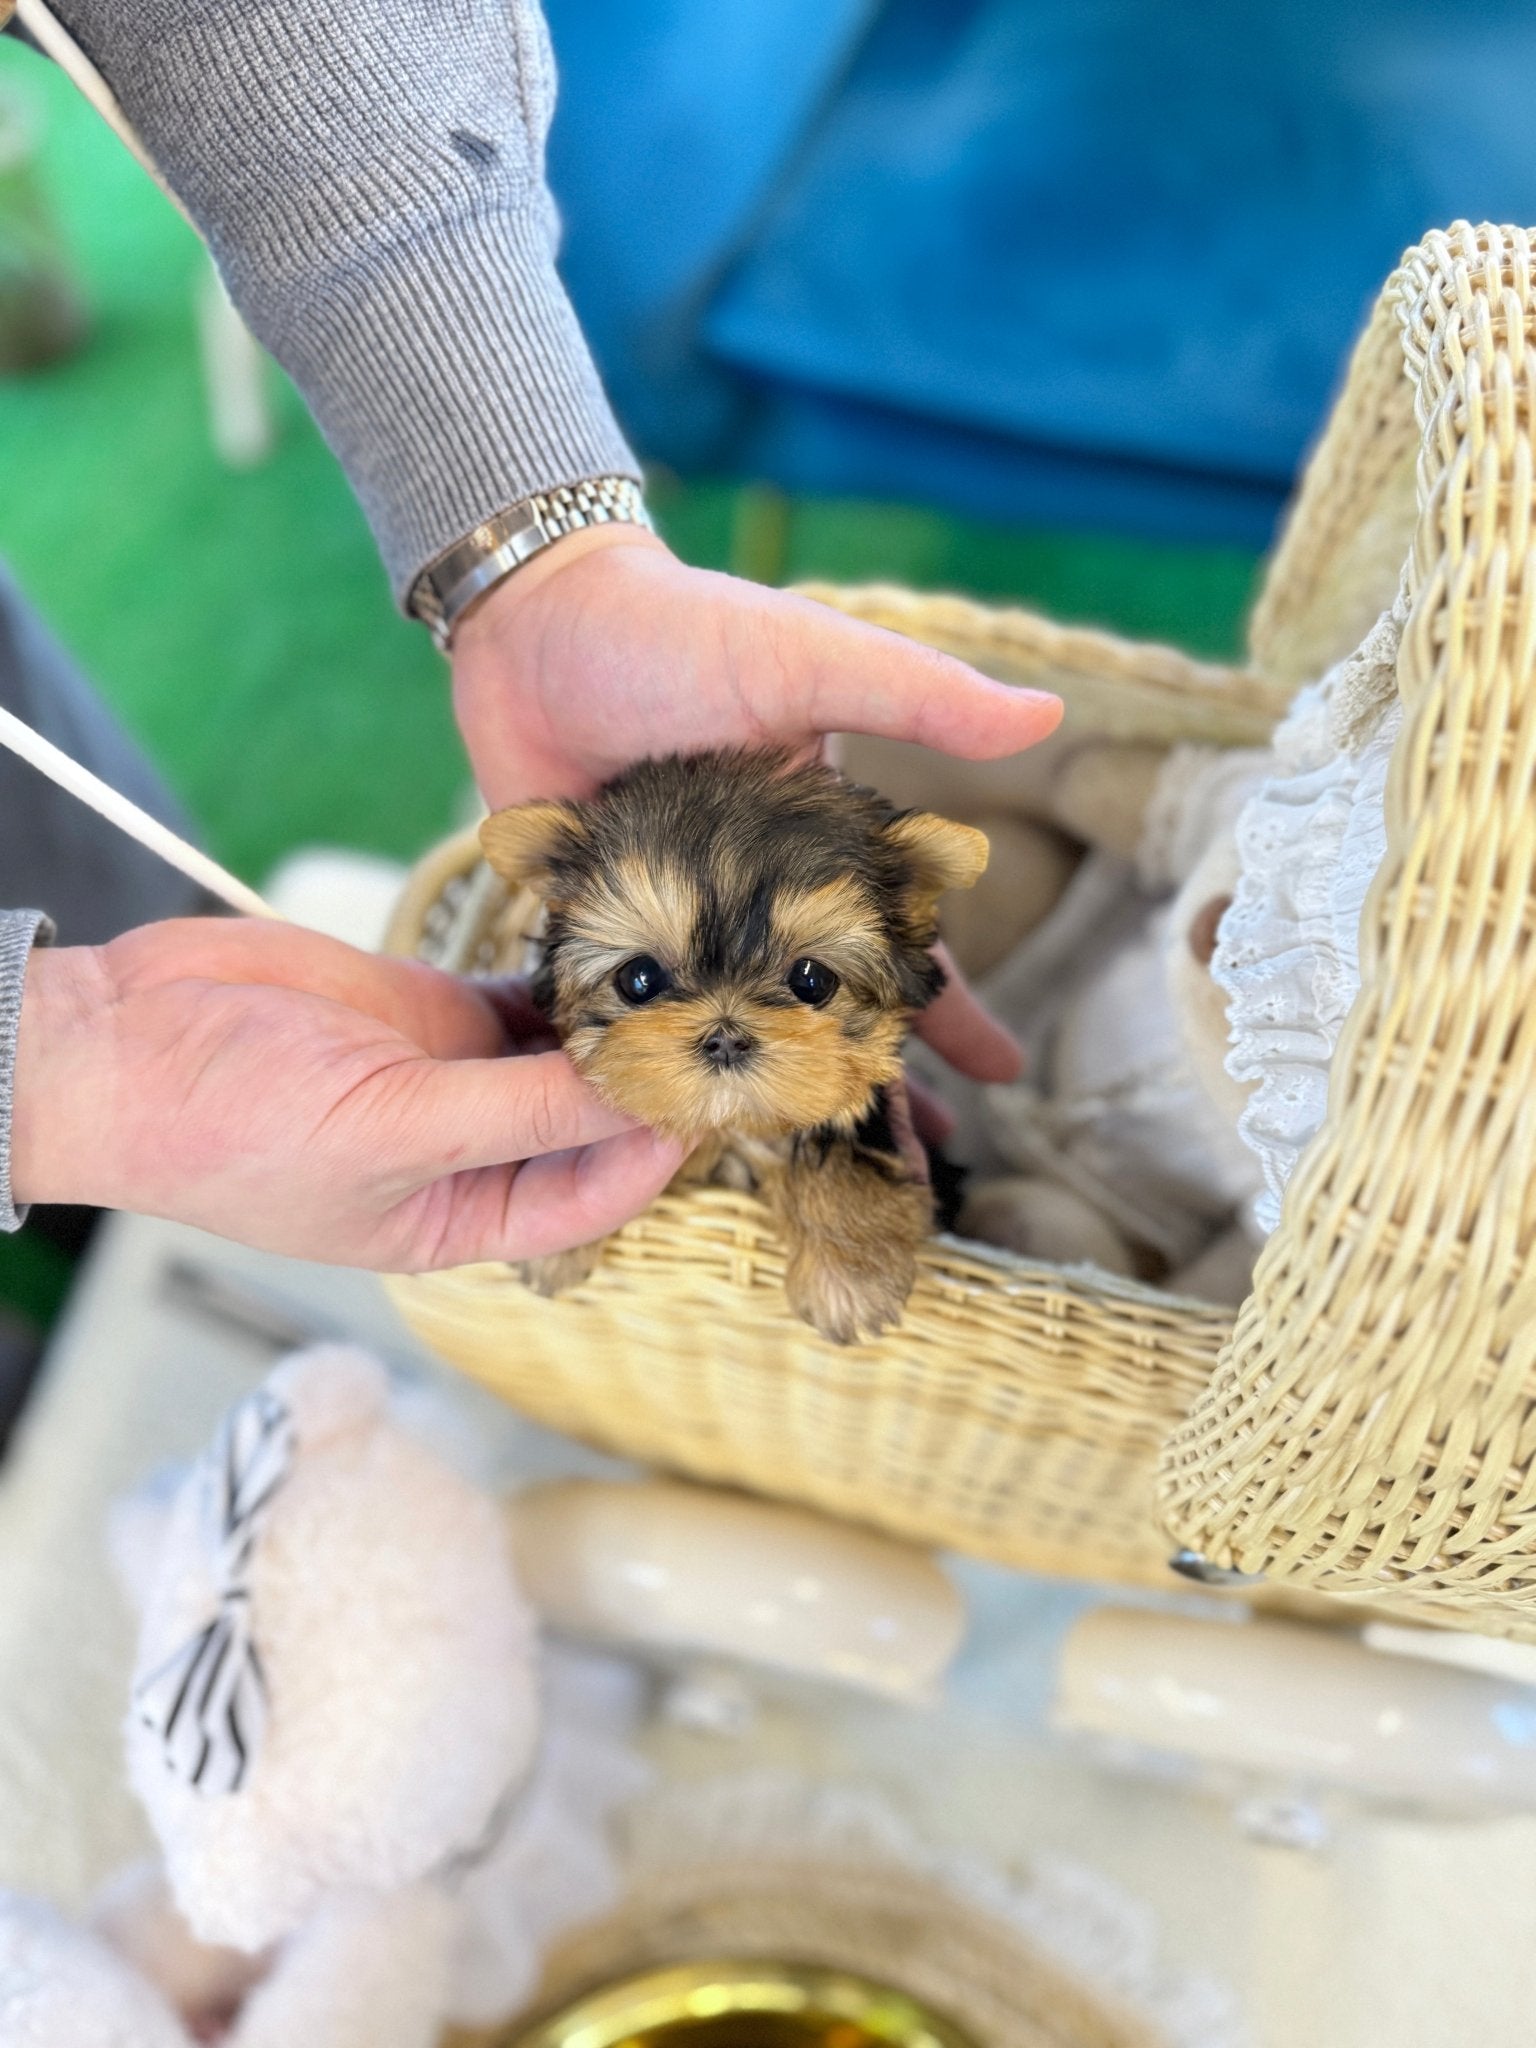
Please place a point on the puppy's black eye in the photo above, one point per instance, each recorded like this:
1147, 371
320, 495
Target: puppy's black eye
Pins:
641, 978
811, 982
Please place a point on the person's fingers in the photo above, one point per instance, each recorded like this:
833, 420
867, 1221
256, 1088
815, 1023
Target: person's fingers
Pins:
932, 1118
855, 677
457, 1115
444, 1014
963, 1032
447, 1015
548, 1205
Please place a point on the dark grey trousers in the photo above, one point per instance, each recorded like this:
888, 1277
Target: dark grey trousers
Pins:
55, 854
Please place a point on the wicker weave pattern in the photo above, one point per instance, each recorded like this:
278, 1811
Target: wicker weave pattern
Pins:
1016, 1415
1370, 1429
1374, 1419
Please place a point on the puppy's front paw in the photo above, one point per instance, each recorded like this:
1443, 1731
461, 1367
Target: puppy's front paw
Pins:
854, 1227
559, 1272
849, 1297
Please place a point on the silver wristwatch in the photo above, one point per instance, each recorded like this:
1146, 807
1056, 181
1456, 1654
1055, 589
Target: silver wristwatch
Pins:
446, 588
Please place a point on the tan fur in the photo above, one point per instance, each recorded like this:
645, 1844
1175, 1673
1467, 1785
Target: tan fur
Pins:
1028, 869
852, 1228
558, 1272
943, 856
853, 1236
838, 925
809, 1071
639, 907
519, 842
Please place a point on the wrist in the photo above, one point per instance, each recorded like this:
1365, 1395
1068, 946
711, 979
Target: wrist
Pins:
59, 1081
489, 619
459, 579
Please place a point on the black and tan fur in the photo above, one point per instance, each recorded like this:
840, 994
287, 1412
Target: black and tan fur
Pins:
724, 870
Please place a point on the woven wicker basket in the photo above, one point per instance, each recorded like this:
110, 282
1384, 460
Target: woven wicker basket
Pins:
1372, 1420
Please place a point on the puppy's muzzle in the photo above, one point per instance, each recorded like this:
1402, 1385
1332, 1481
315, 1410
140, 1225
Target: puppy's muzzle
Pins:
726, 1046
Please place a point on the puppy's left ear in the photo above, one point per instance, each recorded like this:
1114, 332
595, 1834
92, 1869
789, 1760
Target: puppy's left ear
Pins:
939, 855
524, 842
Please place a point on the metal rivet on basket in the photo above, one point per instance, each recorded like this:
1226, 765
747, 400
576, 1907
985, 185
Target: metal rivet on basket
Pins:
1189, 1564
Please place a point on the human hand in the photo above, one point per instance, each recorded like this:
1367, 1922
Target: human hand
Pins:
277, 1087
606, 648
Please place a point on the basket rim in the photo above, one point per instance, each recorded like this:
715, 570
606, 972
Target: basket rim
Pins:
1113, 686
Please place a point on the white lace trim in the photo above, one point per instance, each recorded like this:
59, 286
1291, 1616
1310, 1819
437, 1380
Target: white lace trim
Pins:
1310, 841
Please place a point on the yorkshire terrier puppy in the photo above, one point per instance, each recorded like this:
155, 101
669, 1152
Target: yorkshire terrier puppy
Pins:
736, 946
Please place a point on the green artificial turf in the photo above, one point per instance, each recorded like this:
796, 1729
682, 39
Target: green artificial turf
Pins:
239, 621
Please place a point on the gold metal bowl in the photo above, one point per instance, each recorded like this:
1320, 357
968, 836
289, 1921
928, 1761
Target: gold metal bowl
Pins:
743, 2005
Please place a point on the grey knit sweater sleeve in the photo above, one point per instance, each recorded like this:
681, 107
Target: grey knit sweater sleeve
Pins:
370, 177
20, 931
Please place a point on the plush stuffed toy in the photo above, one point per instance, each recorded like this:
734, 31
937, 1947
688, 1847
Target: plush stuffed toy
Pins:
317, 1556
378, 1802
62, 1987
335, 1731
1039, 811
1120, 1148
362, 1972
1182, 994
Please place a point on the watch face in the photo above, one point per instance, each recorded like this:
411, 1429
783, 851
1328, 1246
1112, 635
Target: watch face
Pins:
756, 2004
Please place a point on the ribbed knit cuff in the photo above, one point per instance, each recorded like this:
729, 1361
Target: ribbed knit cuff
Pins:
20, 931
450, 377
370, 179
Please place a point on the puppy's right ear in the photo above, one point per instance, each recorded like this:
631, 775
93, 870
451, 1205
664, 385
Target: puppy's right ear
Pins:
524, 843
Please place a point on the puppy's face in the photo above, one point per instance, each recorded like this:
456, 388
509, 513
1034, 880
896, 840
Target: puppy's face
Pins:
734, 942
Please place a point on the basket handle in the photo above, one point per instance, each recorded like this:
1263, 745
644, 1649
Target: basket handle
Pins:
1372, 1421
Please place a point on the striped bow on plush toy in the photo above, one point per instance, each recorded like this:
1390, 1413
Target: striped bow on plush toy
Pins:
208, 1702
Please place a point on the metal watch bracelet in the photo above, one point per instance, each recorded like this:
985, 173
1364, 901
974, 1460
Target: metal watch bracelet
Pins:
446, 588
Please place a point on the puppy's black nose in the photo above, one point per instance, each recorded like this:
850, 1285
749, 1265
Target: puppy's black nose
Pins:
727, 1045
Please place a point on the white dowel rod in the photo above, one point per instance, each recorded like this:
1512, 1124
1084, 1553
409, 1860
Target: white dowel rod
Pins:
53, 762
